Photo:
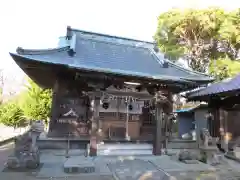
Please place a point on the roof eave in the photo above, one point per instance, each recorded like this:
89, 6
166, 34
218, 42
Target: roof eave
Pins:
159, 79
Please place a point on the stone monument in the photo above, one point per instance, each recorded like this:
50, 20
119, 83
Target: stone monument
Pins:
205, 137
26, 153
209, 152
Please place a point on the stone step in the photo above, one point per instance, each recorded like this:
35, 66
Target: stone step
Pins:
126, 152
124, 149
124, 146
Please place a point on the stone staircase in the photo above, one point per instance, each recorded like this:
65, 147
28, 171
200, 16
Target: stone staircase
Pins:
124, 149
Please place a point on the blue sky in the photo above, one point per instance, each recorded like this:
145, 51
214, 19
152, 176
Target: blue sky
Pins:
38, 24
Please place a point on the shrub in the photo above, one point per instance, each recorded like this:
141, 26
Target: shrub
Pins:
12, 115
36, 102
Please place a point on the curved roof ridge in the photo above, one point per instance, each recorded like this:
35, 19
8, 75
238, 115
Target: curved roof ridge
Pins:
107, 35
23, 51
178, 66
158, 58
185, 69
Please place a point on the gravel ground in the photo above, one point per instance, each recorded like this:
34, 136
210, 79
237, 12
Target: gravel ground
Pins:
224, 175
223, 172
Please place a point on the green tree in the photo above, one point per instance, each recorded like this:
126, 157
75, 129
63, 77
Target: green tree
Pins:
12, 115
36, 102
201, 37
224, 68
1, 86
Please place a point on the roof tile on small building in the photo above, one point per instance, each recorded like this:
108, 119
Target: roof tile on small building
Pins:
218, 88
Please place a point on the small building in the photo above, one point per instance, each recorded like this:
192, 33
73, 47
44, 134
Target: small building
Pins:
223, 100
191, 121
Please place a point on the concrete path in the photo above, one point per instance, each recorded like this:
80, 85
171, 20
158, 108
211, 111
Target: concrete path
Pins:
9, 132
121, 167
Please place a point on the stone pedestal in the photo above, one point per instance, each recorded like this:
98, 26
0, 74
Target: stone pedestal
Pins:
205, 137
13, 162
25, 160
93, 146
188, 157
79, 165
26, 153
211, 153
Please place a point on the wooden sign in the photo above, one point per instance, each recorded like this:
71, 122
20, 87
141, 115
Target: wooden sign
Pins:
72, 117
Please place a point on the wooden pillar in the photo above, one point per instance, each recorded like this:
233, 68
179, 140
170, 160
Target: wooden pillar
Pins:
168, 124
223, 128
215, 110
210, 120
96, 111
54, 108
165, 130
126, 122
217, 125
94, 139
157, 139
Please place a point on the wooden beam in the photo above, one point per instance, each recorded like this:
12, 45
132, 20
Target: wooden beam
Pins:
54, 108
229, 102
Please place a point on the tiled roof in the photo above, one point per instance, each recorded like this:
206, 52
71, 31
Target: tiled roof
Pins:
218, 88
111, 54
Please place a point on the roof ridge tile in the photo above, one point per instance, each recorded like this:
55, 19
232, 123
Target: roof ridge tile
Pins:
117, 43
107, 35
22, 51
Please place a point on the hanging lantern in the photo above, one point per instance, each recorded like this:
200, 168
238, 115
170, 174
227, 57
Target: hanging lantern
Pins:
146, 104
130, 107
105, 105
209, 116
151, 108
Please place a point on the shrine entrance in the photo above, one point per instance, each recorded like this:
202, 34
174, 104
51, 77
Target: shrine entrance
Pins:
148, 122
122, 114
